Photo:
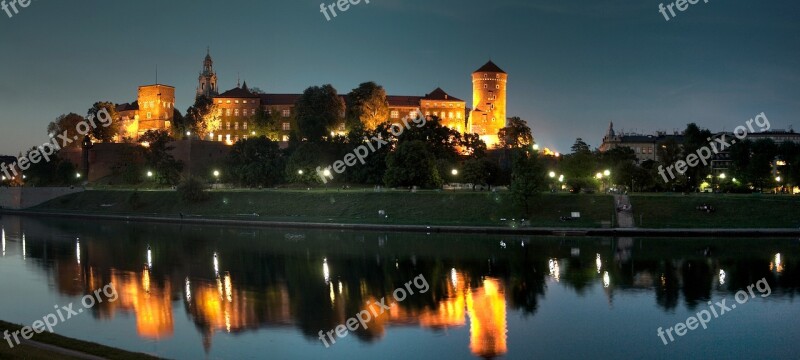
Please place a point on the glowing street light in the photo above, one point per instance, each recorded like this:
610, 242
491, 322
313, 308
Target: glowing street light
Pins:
149, 174
454, 172
552, 174
778, 179
561, 178
300, 172
78, 175
216, 173
536, 147
599, 175
188, 133
722, 176
326, 173
607, 173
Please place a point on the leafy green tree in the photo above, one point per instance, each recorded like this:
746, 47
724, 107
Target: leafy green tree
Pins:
165, 168
527, 180
580, 147
302, 164
367, 106
99, 132
67, 123
441, 141
266, 123
694, 139
318, 112
515, 135
473, 147
192, 190
56, 172
479, 172
203, 117
256, 162
411, 164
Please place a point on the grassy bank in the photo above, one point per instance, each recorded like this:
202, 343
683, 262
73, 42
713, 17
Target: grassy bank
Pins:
732, 211
25, 351
354, 206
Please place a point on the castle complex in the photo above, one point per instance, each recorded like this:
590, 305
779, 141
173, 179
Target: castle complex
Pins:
236, 107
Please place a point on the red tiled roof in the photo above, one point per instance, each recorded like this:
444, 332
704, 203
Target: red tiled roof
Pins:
440, 95
403, 101
239, 93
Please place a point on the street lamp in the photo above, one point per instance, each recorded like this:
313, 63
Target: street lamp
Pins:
536, 147
552, 174
300, 172
216, 173
454, 172
722, 176
149, 174
778, 179
188, 133
607, 172
78, 175
598, 176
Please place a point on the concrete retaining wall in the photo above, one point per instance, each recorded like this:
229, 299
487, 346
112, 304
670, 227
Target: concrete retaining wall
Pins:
25, 197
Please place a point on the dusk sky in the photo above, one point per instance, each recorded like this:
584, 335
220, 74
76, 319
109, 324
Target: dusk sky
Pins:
573, 66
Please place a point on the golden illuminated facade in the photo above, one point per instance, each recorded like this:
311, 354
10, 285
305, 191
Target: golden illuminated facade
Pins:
153, 110
488, 115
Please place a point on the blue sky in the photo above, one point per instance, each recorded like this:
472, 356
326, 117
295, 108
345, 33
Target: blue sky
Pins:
573, 66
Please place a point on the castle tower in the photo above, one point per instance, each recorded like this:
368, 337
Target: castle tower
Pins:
488, 114
156, 107
207, 81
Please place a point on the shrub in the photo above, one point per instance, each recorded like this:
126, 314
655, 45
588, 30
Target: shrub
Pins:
192, 190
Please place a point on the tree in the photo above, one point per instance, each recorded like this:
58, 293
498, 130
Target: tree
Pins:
527, 180
203, 118
318, 112
192, 190
472, 146
580, 146
411, 164
56, 172
102, 131
158, 159
515, 135
367, 106
302, 164
479, 172
66, 123
267, 124
694, 139
256, 162
441, 141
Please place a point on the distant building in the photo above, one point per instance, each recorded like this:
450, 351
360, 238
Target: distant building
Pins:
644, 146
721, 162
489, 84
207, 81
154, 109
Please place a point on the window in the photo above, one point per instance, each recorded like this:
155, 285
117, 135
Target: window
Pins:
485, 86
149, 115
167, 124
285, 138
236, 138
395, 114
253, 112
244, 126
227, 101
219, 137
227, 112
450, 115
244, 101
229, 125
287, 126
286, 113
228, 137
458, 115
236, 101
244, 137
219, 101
236, 126
497, 86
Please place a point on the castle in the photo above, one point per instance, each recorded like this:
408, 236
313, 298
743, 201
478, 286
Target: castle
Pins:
236, 107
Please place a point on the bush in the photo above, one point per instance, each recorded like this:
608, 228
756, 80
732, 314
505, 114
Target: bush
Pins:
192, 190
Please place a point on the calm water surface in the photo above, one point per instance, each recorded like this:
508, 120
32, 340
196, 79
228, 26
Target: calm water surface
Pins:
270, 292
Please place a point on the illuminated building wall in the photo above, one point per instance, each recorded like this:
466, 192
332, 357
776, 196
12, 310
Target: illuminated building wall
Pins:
488, 102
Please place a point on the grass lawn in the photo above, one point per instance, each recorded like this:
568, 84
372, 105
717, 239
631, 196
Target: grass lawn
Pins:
31, 352
351, 206
732, 211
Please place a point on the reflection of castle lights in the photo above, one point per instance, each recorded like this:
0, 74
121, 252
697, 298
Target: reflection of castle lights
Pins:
146, 280
216, 264
332, 294
340, 287
777, 265
599, 263
23, 247
555, 272
149, 257
326, 272
454, 277
721, 277
228, 294
606, 279
78, 251
3, 237
188, 291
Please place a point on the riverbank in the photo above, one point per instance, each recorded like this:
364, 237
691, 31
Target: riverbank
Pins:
452, 212
52, 346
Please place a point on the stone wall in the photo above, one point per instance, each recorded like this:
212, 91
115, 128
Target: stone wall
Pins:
24, 197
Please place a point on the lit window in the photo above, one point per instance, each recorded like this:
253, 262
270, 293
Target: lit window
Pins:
497, 86
236, 112
149, 115
236, 126
485, 86
229, 125
244, 137
236, 101
219, 101
395, 114
227, 101
450, 115
244, 101
253, 112
227, 112
285, 138
219, 137
244, 126
287, 126
286, 113
236, 138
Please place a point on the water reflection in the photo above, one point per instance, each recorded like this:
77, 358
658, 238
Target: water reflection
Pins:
256, 282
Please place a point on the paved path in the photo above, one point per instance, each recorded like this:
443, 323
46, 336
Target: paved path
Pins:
62, 351
624, 217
